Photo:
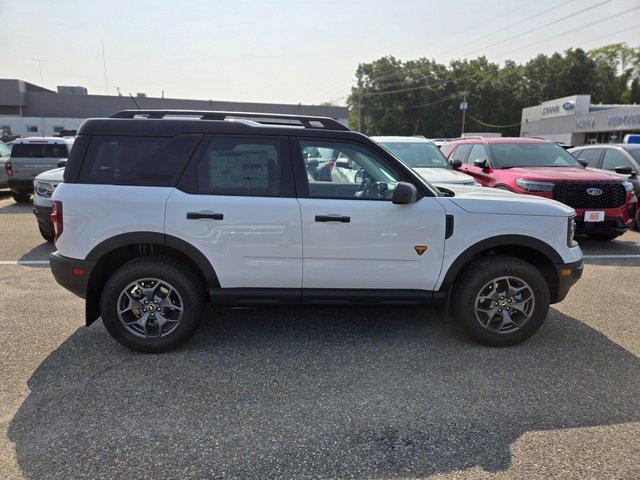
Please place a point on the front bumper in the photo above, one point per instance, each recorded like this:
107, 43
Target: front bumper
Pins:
43, 216
71, 273
568, 274
20, 186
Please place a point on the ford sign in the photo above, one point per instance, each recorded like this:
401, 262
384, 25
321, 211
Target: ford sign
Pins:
594, 191
568, 105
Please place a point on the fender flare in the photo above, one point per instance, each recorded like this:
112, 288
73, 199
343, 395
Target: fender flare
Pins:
498, 241
157, 238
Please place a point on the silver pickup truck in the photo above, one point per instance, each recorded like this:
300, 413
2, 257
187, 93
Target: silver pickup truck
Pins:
31, 156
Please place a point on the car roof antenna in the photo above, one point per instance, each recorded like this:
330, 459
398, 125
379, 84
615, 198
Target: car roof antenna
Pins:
134, 101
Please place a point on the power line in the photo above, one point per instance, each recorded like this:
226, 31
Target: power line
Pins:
526, 20
602, 20
612, 34
558, 20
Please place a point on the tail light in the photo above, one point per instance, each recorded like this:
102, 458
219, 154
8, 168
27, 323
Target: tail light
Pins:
9, 169
56, 218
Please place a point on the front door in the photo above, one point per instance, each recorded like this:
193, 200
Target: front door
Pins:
354, 236
238, 208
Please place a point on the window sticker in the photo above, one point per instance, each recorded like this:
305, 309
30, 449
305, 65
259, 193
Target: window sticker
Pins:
241, 170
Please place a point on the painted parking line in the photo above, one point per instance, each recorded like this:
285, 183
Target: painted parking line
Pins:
610, 256
24, 262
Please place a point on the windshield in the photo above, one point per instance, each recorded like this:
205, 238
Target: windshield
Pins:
39, 150
510, 155
635, 153
418, 154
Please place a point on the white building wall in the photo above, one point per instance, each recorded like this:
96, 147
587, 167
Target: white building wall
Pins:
45, 125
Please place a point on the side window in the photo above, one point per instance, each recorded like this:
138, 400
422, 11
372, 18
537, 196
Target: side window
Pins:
591, 156
460, 153
343, 170
613, 159
244, 167
477, 153
143, 161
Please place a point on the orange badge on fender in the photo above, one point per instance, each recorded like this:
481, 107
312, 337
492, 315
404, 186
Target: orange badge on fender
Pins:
420, 249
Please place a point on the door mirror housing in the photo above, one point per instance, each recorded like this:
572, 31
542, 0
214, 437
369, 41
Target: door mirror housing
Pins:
62, 163
583, 162
481, 163
456, 163
313, 163
359, 176
623, 170
405, 193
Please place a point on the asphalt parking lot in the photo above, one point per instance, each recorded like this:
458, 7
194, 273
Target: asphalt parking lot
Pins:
318, 393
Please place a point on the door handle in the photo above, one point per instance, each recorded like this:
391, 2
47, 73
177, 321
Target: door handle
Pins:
332, 218
197, 215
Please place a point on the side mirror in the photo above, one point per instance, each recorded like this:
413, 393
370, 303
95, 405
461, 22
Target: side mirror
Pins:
313, 163
623, 170
456, 163
583, 163
62, 163
359, 176
342, 162
481, 163
405, 193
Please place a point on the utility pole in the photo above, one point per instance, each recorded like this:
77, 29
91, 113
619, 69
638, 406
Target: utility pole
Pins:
359, 115
463, 107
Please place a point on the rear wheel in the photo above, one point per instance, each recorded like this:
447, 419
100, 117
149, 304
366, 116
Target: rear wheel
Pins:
48, 235
603, 236
152, 304
501, 300
20, 197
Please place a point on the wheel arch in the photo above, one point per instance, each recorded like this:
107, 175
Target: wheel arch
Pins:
116, 251
538, 253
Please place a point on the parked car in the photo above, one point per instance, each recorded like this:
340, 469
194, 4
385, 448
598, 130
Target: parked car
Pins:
158, 216
43, 186
5, 152
426, 159
31, 156
604, 203
620, 158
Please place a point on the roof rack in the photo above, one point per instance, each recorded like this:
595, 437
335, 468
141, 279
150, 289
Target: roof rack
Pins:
470, 137
263, 118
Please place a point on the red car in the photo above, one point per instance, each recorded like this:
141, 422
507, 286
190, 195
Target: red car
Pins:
604, 203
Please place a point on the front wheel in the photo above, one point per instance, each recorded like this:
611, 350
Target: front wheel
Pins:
20, 197
501, 300
603, 236
152, 304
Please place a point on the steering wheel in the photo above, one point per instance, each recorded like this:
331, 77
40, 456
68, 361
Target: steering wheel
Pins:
372, 190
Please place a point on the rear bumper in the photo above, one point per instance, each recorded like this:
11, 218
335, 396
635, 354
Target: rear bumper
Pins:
20, 186
43, 216
568, 275
71, 273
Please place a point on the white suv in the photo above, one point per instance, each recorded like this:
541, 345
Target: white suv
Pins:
158, 216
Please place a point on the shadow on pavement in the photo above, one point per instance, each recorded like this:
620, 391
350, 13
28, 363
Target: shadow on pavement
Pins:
16, 208
39, 252
316, 392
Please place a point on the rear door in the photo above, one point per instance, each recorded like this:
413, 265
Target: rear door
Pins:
236, 204
354, 236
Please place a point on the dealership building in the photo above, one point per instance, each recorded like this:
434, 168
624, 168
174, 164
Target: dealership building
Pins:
576, 121
29, 110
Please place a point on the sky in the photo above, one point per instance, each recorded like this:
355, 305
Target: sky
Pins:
282, 51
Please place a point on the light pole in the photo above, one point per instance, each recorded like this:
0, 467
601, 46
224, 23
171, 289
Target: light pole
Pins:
40, 60
463, 107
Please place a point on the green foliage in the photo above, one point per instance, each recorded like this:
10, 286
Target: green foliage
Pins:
421, 96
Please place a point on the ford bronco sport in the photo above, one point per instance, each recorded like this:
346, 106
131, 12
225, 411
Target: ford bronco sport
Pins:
158, 216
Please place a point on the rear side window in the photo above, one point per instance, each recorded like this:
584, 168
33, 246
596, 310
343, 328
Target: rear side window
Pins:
143, 161
244, 166
591, 156
39, 150
460, 153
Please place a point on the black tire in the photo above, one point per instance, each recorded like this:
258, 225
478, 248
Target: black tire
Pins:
20, 197
473, 278
181, 277
603, 236
48, 235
